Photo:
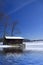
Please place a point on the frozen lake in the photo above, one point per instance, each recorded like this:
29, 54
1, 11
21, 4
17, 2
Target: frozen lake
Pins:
26, 58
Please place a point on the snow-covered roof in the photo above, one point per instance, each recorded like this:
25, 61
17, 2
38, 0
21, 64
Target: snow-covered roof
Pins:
13, 37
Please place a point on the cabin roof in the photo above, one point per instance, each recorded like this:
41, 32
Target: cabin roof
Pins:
13, 37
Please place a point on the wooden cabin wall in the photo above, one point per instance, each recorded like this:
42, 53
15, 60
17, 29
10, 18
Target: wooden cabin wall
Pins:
12, 41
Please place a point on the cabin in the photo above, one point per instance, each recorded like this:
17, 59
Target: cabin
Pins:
15, 42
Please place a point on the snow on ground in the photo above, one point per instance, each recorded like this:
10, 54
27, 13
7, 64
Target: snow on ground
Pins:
34, 46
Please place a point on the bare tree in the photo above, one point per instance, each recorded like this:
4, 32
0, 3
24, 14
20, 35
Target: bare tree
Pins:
2, 16
5, 26
15, 23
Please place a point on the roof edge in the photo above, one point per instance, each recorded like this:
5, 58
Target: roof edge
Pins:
13, 37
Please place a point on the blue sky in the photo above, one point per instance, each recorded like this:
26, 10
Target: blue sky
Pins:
29, 13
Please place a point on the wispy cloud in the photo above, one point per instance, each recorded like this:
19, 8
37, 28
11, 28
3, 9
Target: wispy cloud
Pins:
23, 5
